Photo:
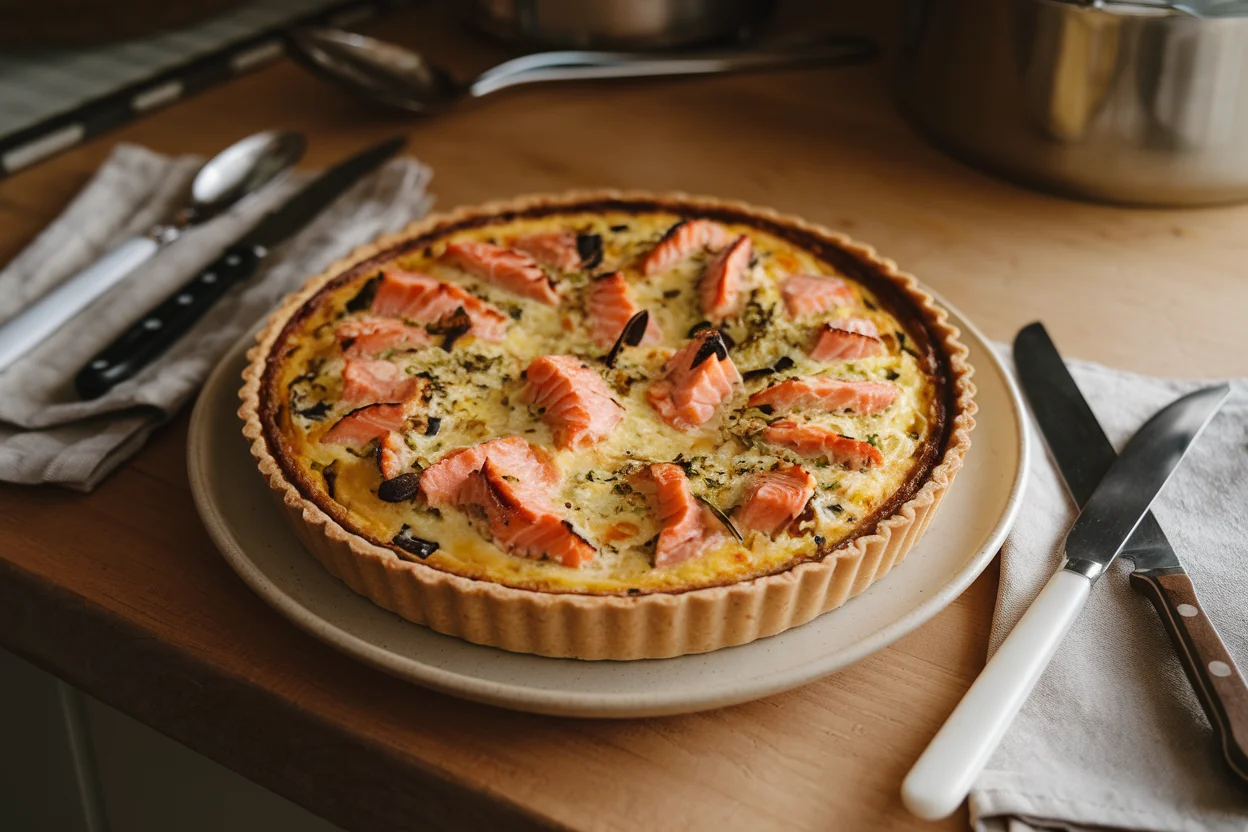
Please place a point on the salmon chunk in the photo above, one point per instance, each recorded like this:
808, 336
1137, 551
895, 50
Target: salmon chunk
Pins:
556, 250
371, 337
774, 499
504, 484
366, 381
723, 283
685, 530
520, 518
420, 298
572, 398
681, 240
506, 268
696, 381
440, 482
364, 424
847, 339
393, 455
810, 294
815, 441
865, 397
609, 307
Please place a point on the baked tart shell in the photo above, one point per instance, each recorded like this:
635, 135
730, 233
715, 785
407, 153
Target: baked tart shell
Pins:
621, 627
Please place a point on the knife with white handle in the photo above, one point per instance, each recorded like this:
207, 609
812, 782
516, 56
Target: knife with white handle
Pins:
1084, 454
943, 775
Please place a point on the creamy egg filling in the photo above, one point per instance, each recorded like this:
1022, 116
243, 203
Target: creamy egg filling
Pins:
604, 491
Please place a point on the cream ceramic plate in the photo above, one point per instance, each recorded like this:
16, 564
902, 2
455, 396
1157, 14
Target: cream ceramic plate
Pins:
247, 526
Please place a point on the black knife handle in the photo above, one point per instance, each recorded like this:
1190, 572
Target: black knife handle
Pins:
161, 327
1212, 671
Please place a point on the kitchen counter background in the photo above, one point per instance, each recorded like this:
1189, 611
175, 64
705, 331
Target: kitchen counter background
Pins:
121, 593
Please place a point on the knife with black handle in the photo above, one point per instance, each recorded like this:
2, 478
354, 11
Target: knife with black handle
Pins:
1084, 454
173, 317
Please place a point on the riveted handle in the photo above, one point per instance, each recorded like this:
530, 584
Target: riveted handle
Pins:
1209, 665
161, 327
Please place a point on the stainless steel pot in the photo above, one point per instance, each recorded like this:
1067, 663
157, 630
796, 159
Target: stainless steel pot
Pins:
614, 24
1115, 102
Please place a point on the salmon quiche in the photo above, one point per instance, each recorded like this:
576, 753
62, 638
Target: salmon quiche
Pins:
610, 426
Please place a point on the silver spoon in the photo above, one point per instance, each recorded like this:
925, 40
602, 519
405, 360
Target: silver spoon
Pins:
401, 78
241, 169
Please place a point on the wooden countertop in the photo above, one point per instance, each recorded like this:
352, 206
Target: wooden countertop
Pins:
121, 593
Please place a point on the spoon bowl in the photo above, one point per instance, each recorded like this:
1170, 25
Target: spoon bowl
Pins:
240, 170
383, 71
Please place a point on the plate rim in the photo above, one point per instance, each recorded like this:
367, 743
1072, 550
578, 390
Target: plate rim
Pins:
741, 688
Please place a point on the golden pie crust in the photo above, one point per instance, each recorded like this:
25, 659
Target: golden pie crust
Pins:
622, 627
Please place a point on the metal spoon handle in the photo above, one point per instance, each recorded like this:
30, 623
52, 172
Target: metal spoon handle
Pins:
596, 57
567, 57
561, 66
53, 310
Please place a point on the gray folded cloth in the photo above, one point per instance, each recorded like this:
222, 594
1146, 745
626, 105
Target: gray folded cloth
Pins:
46, 433
1113, 736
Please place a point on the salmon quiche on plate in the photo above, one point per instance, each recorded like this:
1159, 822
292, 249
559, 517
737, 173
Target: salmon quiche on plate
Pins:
610, 426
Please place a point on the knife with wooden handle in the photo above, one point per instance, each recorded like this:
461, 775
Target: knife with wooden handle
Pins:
943, 774
1083, 454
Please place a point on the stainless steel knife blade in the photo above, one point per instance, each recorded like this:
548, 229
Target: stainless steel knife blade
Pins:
1075, 440
300, 209
1135, 479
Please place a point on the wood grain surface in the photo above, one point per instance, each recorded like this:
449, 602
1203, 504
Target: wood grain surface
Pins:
121, 593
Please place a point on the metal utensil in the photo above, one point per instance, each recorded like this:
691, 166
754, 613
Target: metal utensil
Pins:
236, 172
1116, 101
173, 317
1195, 8
399, 77
614, 24
1084, 454
944, 772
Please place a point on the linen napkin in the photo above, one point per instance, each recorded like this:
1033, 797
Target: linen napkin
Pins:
1113, 736
46, 433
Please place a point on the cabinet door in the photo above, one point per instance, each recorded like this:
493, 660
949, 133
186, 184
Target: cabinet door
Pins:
150, 783
71, 764
45, 768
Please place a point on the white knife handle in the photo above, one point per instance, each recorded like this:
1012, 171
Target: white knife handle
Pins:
50, 312
940, 780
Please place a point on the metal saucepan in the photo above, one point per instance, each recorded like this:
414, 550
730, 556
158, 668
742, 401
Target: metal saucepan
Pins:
1121, 102
614, 24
